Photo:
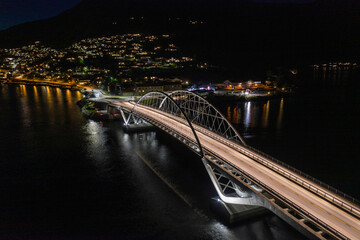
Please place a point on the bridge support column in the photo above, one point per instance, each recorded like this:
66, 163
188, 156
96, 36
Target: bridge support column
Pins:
241, 199
235, 202
132, 123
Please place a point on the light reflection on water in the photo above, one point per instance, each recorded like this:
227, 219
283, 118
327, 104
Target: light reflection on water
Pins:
161, 169
281, 113
24, 110
315, 132
259, 114
247, 114
50, 104
265, 114
114, 178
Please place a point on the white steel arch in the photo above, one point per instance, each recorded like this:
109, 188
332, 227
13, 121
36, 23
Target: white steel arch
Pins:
201, 112
165, 103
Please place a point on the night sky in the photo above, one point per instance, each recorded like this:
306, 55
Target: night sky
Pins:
14, 12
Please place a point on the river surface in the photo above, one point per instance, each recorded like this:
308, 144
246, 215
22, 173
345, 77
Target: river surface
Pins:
63, 176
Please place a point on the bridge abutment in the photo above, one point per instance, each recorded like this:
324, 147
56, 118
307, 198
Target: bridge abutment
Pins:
248, 200
131, 123
233, 213
235, 203
140, 127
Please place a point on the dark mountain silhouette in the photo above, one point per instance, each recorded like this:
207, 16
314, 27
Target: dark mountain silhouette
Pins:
239, 33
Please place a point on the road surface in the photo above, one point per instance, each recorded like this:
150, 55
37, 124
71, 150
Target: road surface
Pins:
328, 213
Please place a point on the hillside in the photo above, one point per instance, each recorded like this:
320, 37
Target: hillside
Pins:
236, 33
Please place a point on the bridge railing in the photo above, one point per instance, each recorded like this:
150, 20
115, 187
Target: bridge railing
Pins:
308, 214
318, 182
271, 190
274, 164
264, 159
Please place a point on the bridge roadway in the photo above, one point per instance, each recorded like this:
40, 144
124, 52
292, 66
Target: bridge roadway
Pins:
328, 213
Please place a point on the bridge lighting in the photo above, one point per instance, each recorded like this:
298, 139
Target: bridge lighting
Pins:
255, 168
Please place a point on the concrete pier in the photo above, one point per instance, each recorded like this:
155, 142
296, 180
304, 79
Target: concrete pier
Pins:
232, 213
141, 127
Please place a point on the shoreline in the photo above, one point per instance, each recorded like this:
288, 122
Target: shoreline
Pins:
220, 98
223, 98
43, 83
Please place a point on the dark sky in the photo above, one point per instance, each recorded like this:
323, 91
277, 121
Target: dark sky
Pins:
13, 12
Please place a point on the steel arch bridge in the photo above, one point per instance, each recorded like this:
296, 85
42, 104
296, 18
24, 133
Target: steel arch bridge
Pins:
199, 125
193, 109
201, 117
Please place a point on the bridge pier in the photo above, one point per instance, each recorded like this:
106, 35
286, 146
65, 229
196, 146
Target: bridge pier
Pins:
233, 213
235, 202
242, 199
131, 123
140, 127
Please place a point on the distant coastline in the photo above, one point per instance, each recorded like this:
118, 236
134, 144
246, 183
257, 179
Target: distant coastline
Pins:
34, 82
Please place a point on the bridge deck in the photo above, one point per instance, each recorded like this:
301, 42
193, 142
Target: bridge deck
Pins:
327, 212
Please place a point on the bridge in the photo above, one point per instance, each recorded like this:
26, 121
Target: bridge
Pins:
241, 174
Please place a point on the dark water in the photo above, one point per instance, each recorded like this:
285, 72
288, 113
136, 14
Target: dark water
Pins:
335, 74
317, 132
65, 177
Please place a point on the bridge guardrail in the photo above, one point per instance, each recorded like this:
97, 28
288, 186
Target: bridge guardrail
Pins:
269, 188
338, 192
293, 177
307, 213
287, 174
